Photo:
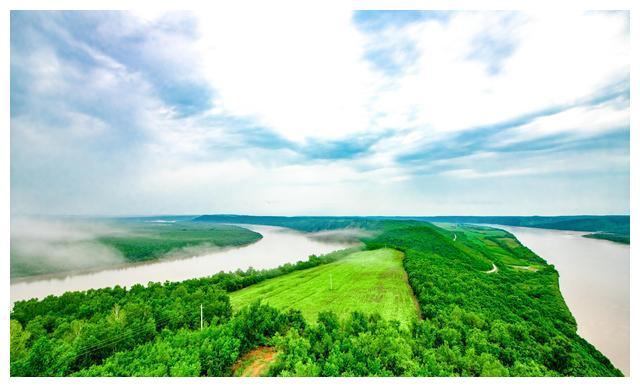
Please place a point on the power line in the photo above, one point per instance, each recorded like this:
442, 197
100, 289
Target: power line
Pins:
110, 341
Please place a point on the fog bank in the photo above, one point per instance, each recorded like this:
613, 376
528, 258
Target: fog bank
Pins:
40, 245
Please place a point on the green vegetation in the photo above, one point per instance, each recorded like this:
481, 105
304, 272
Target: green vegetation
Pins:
255, 363
511, 322
612, 227
60, 335
145, 241
368, 281
517, 317
212, 351
88, 326
626, 239
300, 223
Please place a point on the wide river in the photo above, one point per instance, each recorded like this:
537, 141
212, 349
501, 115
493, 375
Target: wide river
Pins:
277, 247
594, 280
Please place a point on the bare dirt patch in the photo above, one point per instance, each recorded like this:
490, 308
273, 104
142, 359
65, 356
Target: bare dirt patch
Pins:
255, 363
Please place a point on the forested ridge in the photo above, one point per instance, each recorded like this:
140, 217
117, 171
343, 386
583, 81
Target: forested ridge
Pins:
611, 227
515, 318
511, 322
615, 228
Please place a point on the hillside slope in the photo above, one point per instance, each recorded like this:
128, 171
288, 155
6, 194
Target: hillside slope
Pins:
615, 228
515, 315
368, 281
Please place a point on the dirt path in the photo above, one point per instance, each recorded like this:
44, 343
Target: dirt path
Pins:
255, 362
455, 236
527, 268
493, 270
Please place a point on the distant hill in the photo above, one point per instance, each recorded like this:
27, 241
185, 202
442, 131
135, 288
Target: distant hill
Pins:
618, 224
611, 227
301, 223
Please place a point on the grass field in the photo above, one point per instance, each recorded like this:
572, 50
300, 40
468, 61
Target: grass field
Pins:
493, 246
367, 281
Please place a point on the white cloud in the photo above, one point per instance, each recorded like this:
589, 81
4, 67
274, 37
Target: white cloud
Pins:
300, 74
468, 173
577, 122
304, 75
538, 163
557, 59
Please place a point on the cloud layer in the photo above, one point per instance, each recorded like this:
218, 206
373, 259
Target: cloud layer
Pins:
320, 113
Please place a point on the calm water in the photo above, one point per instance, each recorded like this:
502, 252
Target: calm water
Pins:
277, 247
594, 280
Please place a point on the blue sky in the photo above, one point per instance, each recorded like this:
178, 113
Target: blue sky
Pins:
326, 112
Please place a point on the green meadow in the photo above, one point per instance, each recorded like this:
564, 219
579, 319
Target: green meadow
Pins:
367, 281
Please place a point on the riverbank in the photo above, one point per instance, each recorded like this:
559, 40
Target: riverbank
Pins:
594, 281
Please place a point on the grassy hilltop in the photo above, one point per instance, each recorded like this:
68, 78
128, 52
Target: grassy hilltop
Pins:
367, 281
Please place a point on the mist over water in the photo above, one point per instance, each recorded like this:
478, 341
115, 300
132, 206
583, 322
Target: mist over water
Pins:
277, 247
346, 235
594, 281
55, 244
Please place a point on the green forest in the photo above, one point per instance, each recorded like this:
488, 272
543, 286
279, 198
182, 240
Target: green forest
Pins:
615, 228
487, 306
144, 242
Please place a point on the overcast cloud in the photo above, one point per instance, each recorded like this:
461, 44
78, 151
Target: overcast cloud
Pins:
379, 113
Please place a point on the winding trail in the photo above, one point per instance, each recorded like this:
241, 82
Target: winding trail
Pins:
493, 270
527, 268
455, 236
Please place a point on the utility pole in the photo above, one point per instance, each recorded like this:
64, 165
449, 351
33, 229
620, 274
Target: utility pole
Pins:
201, 318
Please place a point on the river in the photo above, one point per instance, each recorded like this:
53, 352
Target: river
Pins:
594, 281
277, 247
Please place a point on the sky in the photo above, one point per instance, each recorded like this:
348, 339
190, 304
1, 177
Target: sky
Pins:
322, 112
